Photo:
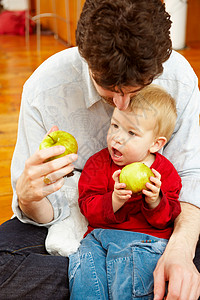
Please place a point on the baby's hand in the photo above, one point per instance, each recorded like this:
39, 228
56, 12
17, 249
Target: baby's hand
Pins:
119, 195
152, 195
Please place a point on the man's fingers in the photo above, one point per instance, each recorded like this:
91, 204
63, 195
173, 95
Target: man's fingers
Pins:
159, 283
52, 188
183, 283
175, 284
54, 128
41, 155
190, 288
58, 174
35, 166
57, 164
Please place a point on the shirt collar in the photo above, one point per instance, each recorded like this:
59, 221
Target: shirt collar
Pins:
91, 95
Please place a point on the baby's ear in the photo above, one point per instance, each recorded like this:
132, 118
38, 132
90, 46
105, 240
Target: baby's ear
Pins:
158, 144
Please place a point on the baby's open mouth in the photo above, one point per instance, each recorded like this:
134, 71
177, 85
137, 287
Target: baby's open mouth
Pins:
116, 152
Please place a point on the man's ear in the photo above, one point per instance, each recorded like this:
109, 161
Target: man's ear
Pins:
158, 144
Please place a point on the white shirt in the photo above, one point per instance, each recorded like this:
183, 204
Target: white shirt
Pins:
60, 92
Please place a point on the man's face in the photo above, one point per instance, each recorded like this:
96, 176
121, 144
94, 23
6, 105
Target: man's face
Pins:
120, 99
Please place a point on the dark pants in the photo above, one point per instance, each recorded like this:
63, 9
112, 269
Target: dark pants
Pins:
26, 269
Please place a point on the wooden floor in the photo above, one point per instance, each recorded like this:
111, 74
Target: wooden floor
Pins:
17, 62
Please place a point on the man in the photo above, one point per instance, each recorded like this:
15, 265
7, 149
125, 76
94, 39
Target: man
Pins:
123, 45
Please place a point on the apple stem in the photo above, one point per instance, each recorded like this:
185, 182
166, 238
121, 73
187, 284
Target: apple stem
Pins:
52, 138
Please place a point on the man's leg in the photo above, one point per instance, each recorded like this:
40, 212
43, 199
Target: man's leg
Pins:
27, 271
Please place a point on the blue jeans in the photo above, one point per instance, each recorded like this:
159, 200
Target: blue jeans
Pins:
114, 264
26, 269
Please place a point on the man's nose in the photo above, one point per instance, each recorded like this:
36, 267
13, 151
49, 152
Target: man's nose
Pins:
121, 101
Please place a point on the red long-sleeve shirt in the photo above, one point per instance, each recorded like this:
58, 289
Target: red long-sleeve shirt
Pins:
95, 198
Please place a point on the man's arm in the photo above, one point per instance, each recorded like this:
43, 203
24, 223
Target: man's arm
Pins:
41, 212
176, 264
31, 189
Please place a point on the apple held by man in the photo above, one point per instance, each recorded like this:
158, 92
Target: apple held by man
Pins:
60, 138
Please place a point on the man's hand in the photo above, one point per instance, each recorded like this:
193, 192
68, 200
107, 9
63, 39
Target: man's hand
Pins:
183, 277
31, 188
176, 264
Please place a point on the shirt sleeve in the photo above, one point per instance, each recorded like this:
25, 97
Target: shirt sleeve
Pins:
165, 213
183, 149
31, 131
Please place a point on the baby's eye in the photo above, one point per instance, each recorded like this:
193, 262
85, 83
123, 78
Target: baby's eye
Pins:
114, 125
131, 133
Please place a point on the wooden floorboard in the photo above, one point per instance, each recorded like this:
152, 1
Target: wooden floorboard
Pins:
17, 61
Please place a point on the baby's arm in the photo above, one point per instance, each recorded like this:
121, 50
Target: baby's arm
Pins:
166, 206
119, 195
152, 195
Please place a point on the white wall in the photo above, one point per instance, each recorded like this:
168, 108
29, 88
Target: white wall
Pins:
15, 4
178, 11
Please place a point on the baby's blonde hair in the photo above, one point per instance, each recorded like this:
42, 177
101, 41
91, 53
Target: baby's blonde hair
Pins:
154, 100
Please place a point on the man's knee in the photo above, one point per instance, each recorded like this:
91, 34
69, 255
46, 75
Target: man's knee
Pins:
33, 276
16, 236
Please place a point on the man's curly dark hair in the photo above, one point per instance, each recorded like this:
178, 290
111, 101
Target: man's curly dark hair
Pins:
124, 42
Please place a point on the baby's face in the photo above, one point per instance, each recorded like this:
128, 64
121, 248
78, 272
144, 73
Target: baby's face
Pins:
130, 136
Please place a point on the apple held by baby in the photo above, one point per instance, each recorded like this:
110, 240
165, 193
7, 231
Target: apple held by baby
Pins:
135, 176
60, 138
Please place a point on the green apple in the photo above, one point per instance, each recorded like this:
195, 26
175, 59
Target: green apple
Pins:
135, 176
62, 138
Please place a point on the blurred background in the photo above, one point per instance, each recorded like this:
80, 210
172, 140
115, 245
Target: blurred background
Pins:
33, 30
